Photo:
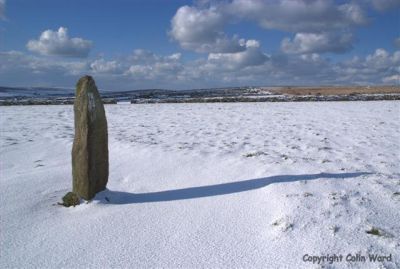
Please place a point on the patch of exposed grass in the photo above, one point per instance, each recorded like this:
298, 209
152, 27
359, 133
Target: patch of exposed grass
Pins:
334, 229
70, 199
374, 231
307, 194
254, 154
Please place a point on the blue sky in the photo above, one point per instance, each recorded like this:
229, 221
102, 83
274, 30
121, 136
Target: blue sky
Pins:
176, 44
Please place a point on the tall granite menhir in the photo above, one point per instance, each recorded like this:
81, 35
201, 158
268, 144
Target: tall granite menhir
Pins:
90, 148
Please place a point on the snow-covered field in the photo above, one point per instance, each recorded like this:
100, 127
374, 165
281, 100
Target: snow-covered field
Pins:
206, 185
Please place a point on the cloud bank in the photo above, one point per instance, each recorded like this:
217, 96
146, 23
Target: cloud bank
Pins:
145, 69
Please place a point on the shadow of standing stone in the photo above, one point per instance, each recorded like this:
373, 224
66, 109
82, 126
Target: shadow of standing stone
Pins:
90, 148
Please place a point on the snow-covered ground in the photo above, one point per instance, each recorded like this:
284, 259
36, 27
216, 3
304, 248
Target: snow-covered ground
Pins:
206, 185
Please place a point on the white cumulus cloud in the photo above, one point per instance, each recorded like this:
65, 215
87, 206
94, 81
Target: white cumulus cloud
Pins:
298, 15
146, 65
103, 66
2, 9
383, 5
60, 44
201, 30
251, 56
379, 66
317, 43
394, 79
397, 42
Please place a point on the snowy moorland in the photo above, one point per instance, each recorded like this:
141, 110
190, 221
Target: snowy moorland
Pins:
206, 185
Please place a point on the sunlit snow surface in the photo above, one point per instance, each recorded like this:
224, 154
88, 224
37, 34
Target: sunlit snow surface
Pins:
205, 185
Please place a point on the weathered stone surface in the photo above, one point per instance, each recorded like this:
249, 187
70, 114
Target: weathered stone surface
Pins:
90, 148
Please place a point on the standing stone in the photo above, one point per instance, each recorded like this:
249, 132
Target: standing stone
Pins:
90, 148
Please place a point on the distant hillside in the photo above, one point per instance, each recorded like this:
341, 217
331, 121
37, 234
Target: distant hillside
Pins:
43, 92
45, 96
12, 92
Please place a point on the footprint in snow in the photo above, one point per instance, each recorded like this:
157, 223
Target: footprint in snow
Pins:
38, 163
284, 224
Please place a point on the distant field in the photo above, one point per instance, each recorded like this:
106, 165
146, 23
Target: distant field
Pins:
338, 90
